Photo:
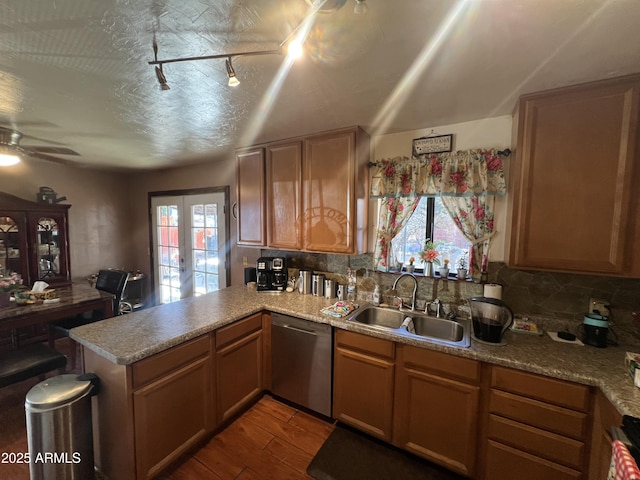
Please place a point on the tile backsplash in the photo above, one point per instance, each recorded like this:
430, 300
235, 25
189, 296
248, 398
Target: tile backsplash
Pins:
562, 297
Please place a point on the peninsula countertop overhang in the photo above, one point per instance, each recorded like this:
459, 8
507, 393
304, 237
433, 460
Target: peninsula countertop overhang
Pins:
129, 338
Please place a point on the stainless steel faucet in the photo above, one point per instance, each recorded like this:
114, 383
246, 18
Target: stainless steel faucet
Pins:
415, 287
438, 306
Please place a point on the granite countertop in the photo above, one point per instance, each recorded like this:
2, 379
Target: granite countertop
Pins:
128, 338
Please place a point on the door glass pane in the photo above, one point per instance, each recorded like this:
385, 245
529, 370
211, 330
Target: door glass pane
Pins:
204, 234
169, 253
48, 248
9, 246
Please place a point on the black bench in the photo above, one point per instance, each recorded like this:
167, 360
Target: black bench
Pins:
29, 361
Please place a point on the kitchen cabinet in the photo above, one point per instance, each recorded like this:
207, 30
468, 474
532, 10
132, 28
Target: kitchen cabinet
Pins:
436, 408
34, 240
172, 404
151, 412
306, 193
577, 164
240, 365
250, 195
605, 416
537, 426
363, 383
335, 192
284, 197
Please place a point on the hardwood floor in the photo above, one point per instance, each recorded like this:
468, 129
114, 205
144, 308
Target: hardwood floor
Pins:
270, 441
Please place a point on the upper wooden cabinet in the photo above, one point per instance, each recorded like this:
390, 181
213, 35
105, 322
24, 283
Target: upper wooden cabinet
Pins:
250, 197
34, 240
284, 183
571, 183
314, 194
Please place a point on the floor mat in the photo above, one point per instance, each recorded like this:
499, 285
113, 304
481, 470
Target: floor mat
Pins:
348, 455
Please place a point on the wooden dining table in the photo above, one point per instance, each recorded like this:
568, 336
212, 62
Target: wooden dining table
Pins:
74, 299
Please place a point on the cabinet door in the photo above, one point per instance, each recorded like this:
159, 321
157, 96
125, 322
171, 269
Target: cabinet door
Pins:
14, 255
605, 416
363, 391
284, 177
251, 197
171, 415
572, 179
239, 364
436, 418
328, 185
50, 242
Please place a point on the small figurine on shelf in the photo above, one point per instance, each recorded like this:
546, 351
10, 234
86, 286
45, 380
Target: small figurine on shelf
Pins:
462, 266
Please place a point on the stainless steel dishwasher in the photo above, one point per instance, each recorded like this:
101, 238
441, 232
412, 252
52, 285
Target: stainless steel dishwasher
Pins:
301, 362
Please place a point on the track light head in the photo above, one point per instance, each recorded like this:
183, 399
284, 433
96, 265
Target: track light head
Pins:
361, 7
162, 80
231, 73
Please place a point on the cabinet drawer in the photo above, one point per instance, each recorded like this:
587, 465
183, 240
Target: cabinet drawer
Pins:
441, 363
151, 368
365, 343
551, 390
545, 444
507, 463
538, 414
237, 330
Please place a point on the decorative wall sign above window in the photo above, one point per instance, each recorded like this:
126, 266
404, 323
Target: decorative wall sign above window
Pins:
433, 144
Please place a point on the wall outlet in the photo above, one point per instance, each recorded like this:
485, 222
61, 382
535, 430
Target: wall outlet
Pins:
602, 306
244, 262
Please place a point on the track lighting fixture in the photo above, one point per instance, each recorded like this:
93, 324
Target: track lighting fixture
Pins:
162, 80
231, 73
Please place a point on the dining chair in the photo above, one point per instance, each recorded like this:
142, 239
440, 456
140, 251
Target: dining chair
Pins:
110, 281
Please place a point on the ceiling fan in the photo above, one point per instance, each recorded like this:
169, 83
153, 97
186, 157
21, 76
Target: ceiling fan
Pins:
10, 145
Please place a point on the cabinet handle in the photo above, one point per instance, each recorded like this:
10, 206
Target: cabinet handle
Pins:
234, 210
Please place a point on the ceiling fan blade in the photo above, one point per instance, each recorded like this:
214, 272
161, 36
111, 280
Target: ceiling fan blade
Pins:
50, 158
52, 150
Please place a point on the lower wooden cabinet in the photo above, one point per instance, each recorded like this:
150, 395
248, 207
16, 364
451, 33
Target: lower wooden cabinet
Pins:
537, 426
605, 416
436, 409
239, 365
363, 378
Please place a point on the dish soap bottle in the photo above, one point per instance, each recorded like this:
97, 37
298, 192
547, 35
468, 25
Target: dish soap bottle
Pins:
376, 295
351, 285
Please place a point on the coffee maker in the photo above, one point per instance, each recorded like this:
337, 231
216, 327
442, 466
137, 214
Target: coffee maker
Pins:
271, 274
596, 329
490, 319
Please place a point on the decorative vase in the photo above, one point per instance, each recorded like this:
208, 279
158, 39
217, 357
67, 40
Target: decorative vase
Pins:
428, 269
410, 268
462, 274
5, 299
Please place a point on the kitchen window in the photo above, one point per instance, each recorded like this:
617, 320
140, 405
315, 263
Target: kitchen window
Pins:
429, 220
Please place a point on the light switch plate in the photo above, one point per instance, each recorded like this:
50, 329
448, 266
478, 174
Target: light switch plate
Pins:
601, 306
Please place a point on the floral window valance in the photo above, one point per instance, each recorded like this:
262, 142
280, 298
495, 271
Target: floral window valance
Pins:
463, 173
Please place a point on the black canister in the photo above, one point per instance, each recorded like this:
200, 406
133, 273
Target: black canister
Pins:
249, 274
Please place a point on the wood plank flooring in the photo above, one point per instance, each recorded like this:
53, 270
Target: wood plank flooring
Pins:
269, 441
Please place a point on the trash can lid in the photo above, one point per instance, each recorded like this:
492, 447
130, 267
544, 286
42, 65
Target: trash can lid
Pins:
59, 390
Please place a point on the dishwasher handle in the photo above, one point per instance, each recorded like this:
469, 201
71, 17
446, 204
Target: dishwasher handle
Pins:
297, 329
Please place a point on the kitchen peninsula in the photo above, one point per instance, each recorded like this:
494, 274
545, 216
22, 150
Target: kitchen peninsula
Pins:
152, 360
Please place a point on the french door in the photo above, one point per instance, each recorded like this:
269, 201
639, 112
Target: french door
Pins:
189, 245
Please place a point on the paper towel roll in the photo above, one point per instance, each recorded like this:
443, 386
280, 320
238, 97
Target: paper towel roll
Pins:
493, 290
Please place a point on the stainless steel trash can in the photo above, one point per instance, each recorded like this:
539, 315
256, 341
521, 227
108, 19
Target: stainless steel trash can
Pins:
59, 427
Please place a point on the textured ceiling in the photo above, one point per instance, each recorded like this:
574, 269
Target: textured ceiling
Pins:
75, 73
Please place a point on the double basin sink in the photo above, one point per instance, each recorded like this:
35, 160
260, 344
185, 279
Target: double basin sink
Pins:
415, 325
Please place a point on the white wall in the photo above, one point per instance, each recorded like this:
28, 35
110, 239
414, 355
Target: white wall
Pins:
486, 133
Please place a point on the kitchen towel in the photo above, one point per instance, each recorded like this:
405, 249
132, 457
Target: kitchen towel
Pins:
622, 466
341, 308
